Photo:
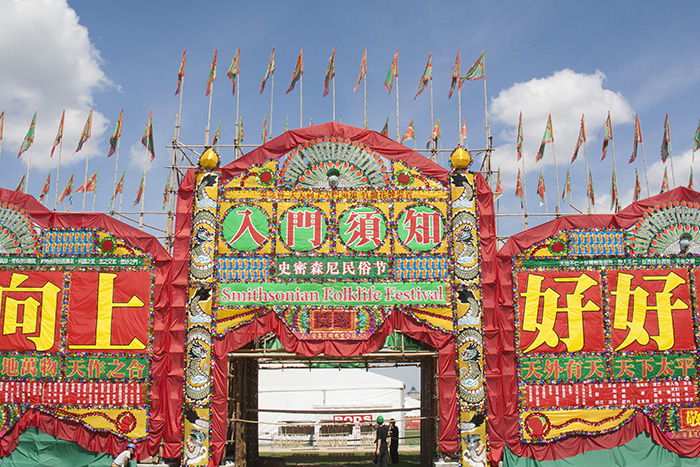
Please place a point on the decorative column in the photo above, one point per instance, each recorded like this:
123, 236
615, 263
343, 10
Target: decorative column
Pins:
198, 340
468, 318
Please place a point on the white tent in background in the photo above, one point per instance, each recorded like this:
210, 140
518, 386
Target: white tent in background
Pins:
336, 392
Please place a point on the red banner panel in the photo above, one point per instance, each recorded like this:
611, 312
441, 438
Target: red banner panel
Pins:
30, 307
109, 311
72, 393
560, 311
650, 310
600, 394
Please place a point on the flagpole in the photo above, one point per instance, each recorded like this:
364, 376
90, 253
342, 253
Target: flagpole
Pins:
272, 93
179, 110
670, 154
206, 133
524, 192
432, 122
86, 171
459, 112
646, 175
585, 158
29, 164
365, 85
58, 171
617, 191
333, 78
143, 193
556, 176
116, 163
301, 100
398, 137
94, 195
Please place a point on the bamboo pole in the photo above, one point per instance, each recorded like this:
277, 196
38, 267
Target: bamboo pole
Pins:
646, 174
87, 157
206, 132
398, 135
116, 164
617, 191
556, 176
29, 164
58, 171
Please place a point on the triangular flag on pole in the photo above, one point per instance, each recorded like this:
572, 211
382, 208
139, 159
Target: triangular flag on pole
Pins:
181, 73
519, 143
541, 189
607, 135
567, 186
85, 135
20, 187
589, 189
140, 192
363, 70
581, 139
519, 189
427, 75
217, 134
239, 130
691, 183
212, 74
409, 134
499, 186
613, 191
637, 138
435, 134
116, 134
637, 186
548, 137
29, 138
298, 71
45, 189
477, 70
696, 139
456, 77
232, 72
270, 70
147, 139
664, 182
264, 132
385, 130
117, 190
68, 190
166, 191
330, 73
59, 134
666, 141
463, 130
393, 71
90, 186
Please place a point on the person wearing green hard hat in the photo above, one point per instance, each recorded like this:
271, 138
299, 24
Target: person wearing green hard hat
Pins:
382, 449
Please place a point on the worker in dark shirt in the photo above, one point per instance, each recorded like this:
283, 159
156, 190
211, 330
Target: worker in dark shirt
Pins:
381, 442
394, 444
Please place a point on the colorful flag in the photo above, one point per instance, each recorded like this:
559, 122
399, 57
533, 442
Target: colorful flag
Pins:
637, 186
427, 75
166, 191
664, 182
385, 130
217, 133
85, 135
581, 139
90, 185
147, 139
519, 189
589, 189
141, 186
637, 138
548, 137
435, 134
409, 134
264, 132
270, 70
613, 191
567, 186
298, 71
330, 74
181, 73
463, 130
68, 190
363, 70
691, 184
239, 130
519, 143
499, 186
20, 187
455, 77
666, 142
2, 123
59, 134
212, 74
29, 138
232, 72
117, 190
607, 136
696, 139
477, 71
393, 71
116, 134
45, 189
286, 124
541, 190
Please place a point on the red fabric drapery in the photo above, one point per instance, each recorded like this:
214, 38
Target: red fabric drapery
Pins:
499, 346
168, 339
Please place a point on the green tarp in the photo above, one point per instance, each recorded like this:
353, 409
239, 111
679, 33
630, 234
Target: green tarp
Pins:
640, 452
37, 448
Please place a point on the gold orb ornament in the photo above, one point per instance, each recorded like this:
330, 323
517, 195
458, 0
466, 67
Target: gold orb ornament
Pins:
461, 159
209, 159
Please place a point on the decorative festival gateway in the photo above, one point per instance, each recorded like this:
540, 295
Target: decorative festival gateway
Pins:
84, 307
597, 332
331, 237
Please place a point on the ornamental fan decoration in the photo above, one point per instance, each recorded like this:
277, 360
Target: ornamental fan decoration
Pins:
333, 163
17, 234
667, 229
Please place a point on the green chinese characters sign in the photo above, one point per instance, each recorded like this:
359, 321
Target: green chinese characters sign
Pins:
420, 227
245, 227
362, 228
303, 228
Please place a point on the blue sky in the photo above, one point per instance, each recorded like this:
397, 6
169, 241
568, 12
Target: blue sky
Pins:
562, 58
565, 58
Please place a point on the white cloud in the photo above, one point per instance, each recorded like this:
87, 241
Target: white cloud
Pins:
47, 64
